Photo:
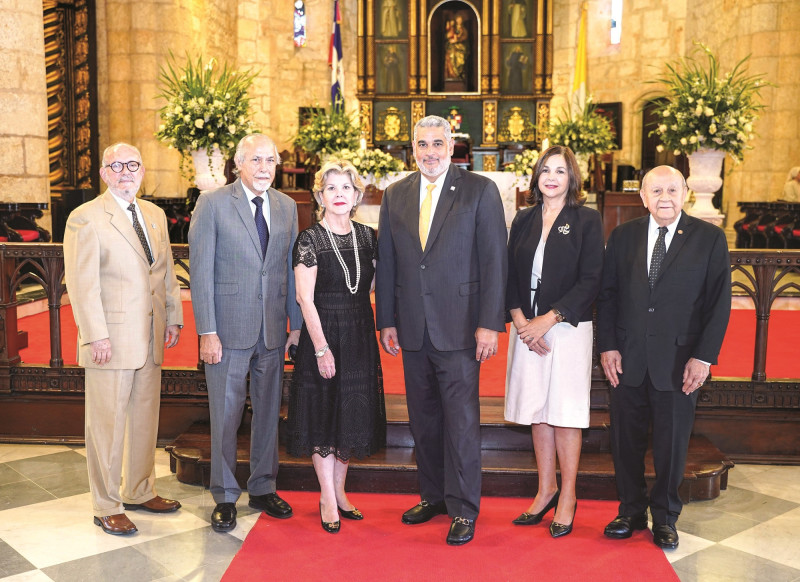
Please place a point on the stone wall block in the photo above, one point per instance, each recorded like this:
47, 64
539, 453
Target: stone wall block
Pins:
37, 156
24, 189
12, 156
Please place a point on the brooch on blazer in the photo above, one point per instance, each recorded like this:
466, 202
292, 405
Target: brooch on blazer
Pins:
564, 229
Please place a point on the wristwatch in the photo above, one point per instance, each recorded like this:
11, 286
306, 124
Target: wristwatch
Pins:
559, 316
321, 351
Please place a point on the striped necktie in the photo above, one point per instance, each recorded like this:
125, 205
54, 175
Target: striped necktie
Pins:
658, 255
140, 233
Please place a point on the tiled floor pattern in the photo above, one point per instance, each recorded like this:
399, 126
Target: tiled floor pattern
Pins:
751, 532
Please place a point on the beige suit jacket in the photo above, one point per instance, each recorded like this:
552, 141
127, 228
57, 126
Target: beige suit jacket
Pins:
114, 292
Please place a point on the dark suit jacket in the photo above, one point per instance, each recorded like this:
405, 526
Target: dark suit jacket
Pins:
684, 316
458, 283
572, 266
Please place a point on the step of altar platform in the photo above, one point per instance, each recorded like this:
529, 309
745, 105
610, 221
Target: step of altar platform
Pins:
508, 464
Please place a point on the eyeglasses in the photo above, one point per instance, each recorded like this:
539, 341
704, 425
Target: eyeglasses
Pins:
132, 166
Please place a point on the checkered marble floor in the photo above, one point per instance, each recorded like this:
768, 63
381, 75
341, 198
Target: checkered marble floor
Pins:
46, 532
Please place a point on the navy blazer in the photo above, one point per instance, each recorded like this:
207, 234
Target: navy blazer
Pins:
572, 267
686, 313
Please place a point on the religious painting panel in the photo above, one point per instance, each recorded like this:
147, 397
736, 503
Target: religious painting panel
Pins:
517, 122
454, 49
517, 67
517, 19
392, 122
392, 19
392, 69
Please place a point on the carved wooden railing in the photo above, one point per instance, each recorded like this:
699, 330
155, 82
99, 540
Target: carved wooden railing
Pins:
761, 275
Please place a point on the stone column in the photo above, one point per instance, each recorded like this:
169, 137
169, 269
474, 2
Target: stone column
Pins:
24, 167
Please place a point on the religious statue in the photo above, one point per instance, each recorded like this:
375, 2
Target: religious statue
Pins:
390, 19
391, 63
517, 13
456, 49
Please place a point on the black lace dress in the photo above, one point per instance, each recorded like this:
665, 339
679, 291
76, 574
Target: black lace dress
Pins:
344, 415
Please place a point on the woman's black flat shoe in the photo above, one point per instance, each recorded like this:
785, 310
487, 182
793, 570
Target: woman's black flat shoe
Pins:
328, 526
353, 514
534, 518
558, 530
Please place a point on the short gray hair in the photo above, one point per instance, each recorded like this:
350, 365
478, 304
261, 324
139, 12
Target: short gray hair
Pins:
238, 157
434, 121
113, 146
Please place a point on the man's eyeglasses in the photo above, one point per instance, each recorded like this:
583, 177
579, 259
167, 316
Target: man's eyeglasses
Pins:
116, 167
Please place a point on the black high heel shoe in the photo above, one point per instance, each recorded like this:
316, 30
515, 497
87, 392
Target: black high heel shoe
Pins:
558, 530
534, 518
328, 526
352, 514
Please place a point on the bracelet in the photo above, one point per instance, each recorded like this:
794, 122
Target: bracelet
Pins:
321, 351
559, 316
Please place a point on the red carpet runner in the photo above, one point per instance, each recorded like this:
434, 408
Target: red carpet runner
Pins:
382, 548
736, 358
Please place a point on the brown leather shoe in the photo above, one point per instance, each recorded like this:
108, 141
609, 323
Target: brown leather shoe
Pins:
117, 525
155, 505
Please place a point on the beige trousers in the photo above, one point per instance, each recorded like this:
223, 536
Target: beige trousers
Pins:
122, 408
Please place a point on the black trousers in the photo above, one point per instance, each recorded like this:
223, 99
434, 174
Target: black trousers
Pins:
444, 414
671, 414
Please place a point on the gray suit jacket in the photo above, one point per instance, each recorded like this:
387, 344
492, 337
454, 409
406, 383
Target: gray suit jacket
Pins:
458, 283
235, 292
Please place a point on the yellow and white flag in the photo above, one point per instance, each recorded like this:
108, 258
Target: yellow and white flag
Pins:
578, 93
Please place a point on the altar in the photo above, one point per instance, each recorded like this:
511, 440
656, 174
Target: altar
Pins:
507, 183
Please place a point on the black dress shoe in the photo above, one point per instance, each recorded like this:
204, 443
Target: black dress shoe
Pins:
534, 518
223, 518
558, 530
329, 526
665, 536
352, 514
462, 530
623, 526
424, 511
272, 505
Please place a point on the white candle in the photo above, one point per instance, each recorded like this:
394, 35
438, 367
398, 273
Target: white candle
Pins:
363, 144
545, 144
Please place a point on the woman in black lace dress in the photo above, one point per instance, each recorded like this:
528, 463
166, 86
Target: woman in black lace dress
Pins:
336, 406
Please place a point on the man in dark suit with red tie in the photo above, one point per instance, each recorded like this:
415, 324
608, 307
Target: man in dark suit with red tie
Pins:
440, 293
662, 313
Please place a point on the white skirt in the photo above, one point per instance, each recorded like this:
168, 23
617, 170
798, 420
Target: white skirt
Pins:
554, 388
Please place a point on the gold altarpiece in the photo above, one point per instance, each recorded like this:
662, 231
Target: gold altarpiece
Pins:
485, 64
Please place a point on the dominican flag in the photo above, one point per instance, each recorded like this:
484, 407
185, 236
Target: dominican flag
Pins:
335, 61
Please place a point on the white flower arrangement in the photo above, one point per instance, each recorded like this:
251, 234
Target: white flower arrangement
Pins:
704, 110
522, 164
375, 162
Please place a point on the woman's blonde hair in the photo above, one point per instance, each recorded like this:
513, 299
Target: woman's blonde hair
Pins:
334, 166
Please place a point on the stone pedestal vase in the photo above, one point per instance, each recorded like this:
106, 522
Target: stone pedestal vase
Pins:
209, 174
704, 179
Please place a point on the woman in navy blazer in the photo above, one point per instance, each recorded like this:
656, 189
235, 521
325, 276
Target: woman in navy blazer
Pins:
555, 264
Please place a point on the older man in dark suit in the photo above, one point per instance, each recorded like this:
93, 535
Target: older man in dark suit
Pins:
661, 317
440, 297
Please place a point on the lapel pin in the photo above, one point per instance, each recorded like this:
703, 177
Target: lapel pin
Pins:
452, 187
680, 232
564, 229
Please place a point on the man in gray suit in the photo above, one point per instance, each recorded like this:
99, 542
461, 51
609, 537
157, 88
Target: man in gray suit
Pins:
440, 292
240, 240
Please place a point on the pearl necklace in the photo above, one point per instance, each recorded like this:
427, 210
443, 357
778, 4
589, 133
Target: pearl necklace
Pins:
352, 288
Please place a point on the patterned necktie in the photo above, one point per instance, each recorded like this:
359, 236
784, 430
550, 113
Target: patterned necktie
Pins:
140, 233
261, 225
658, 255
425, 215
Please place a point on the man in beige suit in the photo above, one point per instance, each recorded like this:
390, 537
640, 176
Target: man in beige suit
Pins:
126, 303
